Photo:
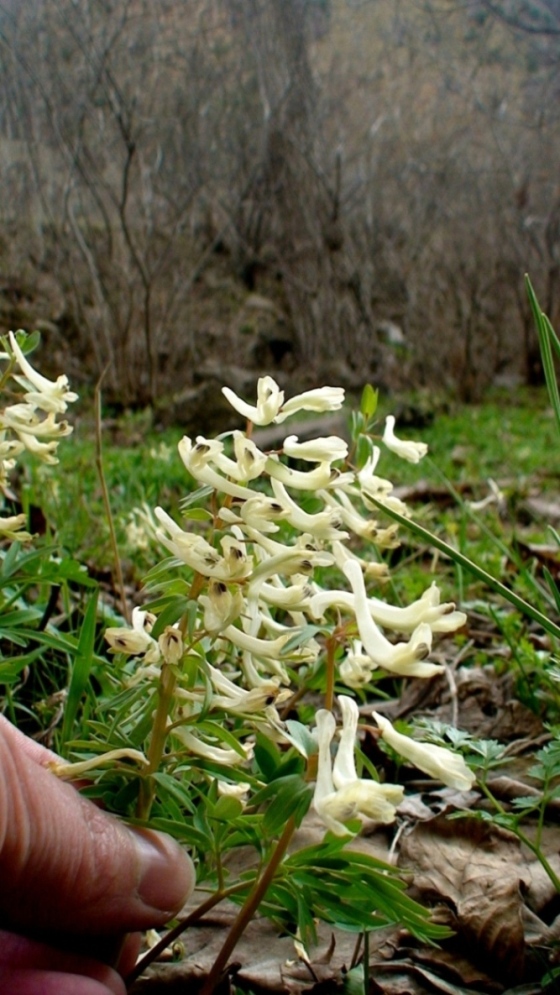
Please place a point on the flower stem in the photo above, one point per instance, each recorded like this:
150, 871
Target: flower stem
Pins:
330, 668
157, 741
249, 908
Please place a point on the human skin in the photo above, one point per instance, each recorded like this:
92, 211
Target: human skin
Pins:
76, 884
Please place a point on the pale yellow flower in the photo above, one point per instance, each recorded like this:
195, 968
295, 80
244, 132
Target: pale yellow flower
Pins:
319, 399
441, 764
269, 402
411, 451
323, 450
41, 392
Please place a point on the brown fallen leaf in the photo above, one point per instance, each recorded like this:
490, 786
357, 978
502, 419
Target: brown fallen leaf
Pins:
476, 870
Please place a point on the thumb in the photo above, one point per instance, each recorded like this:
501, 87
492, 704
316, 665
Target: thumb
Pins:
67, 866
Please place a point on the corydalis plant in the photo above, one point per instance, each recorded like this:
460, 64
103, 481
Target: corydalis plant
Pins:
29, 422
255, 624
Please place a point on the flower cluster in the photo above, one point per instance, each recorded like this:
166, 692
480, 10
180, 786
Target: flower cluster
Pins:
279, 520
30, 422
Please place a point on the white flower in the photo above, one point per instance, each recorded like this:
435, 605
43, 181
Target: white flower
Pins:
320, 399
366, 528
171, 645
23, 418
404, 659
302, 480
221, 607
324, 524
43, 450
369, 567
441, 764
427, 609
440, 617
209, 751
44, 394
411, 451
10, 448
249, 458
197, 461
341, 796
63, 769
248, 464
136, 641
238, 700
386, 501
257, 647
327, 449
261, 512
295, 596
199, 555
356, 669
367, 479
269, 401
238, 790
11, 527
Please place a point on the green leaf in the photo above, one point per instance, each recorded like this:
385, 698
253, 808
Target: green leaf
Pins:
301, 636
547, 341
292, 800
301, 738
226, 809
185, 832
172, 612
198, 514
289, 796
364, 450
80, 669
354, 981
267, 757
368, 403
198, 496
553, 587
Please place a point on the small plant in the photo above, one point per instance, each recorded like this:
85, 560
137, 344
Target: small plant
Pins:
208, 722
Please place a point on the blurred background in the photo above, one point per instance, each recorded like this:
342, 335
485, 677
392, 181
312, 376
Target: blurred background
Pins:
194, 192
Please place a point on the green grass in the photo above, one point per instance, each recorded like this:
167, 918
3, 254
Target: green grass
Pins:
511, 439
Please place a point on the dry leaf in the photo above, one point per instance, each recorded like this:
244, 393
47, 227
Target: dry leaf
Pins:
476, 870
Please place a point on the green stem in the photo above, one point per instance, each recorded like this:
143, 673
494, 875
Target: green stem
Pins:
330, 669
248, 909
486, 790
157, 741
533, 847
536, 850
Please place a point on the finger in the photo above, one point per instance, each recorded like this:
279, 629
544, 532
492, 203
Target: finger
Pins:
35, 751
69, 867
29, 964
35, 982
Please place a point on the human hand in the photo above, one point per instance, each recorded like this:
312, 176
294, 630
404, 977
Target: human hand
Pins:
73, 879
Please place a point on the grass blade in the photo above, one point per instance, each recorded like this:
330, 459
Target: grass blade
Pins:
514, 599
81, 667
